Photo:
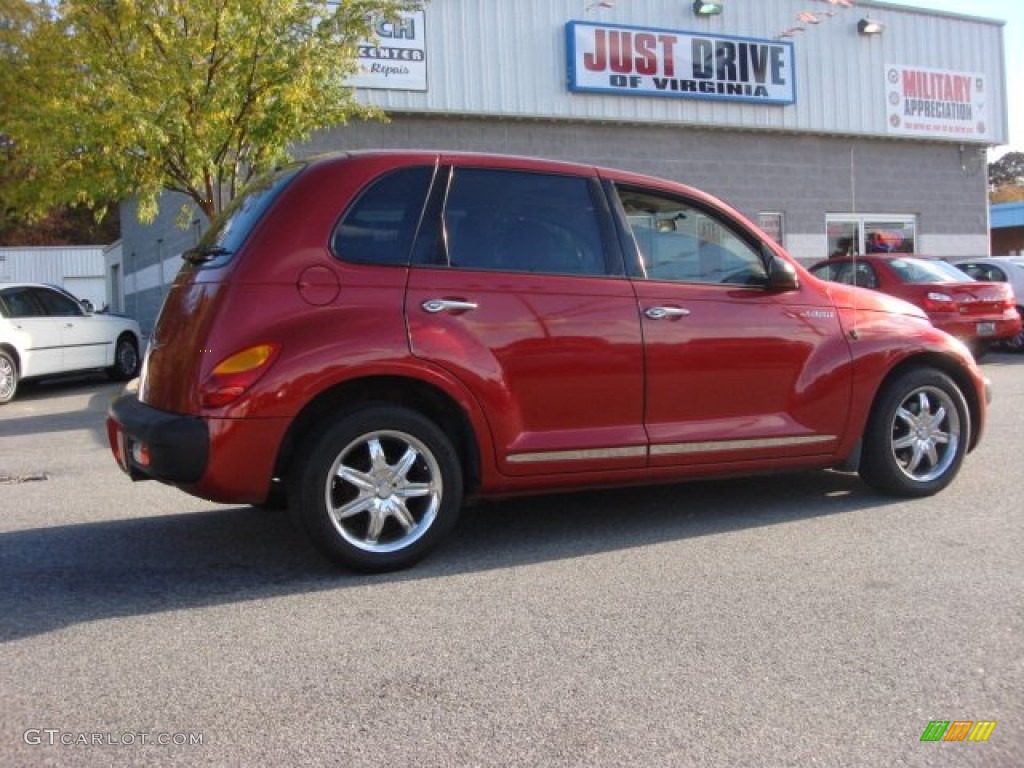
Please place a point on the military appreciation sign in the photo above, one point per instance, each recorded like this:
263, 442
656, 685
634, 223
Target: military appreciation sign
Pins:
937, 103
638, 61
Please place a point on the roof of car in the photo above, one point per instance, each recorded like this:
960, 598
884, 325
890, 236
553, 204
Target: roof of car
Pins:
28, 284
989, 259
877, 257
524, 162
498, 159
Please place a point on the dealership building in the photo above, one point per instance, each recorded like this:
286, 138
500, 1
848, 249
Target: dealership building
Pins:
838, 126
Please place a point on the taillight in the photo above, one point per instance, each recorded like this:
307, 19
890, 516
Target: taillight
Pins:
935, 301
233, 375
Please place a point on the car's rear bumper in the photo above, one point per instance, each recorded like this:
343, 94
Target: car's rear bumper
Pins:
152, 444
224, 460
980, 328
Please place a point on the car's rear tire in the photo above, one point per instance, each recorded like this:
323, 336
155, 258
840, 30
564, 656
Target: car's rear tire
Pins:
377, 490
1016, 343
8, 378
917, 434
126, 359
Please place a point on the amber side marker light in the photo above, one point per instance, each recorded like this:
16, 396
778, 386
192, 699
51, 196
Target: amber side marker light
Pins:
233, 375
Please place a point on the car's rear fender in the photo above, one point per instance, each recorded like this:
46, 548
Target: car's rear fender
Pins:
432, 394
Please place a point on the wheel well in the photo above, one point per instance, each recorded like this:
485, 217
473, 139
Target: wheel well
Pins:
415, 395
130, 335
956, 372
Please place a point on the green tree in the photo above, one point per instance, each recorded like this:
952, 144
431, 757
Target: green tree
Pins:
1007, 171
102, 99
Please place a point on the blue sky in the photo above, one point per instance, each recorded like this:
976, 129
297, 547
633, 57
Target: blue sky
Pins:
1012, 12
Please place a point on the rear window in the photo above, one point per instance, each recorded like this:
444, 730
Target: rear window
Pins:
925, 271
229, 230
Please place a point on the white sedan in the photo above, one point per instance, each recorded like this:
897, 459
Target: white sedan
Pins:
45, 331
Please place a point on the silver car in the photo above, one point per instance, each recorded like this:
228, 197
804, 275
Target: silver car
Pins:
45, 331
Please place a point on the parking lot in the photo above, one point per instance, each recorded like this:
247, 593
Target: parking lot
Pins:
779, 621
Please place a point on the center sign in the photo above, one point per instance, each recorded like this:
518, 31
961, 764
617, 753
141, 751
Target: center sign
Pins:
659, 62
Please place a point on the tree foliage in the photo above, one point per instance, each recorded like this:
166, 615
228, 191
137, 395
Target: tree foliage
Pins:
102, 99
1007, 171
62, 225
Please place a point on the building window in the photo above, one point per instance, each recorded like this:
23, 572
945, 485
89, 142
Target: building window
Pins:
772, 224
851, 233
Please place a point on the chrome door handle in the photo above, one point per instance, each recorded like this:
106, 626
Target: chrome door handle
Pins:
433, 306
660, 313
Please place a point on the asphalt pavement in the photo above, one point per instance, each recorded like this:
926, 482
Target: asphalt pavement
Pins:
798, 620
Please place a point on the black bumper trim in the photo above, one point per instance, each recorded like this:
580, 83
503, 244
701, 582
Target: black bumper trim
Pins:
179, 446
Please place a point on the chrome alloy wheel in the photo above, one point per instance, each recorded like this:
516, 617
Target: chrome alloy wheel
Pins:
926, 434
8, 378
383, 491
127, 358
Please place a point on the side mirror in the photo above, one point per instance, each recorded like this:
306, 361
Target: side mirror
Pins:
782, 276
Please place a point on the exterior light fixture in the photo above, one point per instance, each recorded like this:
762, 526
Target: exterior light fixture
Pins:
870, 27
700, 8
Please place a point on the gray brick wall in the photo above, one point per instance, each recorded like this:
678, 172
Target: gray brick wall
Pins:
144, 306
162, 236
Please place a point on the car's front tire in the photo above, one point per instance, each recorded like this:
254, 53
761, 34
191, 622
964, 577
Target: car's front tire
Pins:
917, 434
126, 359
377, 490
8, 377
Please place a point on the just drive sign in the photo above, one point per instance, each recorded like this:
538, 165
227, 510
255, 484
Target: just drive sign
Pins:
659, 62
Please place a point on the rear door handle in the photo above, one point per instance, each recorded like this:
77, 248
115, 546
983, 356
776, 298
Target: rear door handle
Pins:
433, 306
661, 313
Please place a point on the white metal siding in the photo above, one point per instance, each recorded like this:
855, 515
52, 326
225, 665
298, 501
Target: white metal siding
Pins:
507, 58
50, 264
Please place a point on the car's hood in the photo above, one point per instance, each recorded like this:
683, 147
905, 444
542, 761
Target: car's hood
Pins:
118, 322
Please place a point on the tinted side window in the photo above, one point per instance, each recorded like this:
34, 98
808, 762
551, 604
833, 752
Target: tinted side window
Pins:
861, 273
57, 304
516, 221
985, 272
379, 227
20, 303
678, 241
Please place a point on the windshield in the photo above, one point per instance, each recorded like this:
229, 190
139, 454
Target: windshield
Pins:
232, 226
928, 271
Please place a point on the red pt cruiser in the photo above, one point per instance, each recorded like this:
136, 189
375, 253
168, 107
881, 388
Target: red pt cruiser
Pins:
375, 336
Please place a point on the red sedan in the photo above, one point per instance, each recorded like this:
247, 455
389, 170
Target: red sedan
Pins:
976, 312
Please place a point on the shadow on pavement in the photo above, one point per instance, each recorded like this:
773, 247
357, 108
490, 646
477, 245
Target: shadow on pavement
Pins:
16, 419
60, 576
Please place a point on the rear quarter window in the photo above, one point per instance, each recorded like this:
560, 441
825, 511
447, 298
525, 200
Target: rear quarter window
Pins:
379, 227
